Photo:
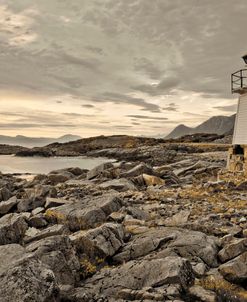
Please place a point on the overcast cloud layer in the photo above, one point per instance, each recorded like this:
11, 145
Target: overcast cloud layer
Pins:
139, 67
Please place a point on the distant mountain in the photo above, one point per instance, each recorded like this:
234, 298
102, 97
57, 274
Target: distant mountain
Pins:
26, 141
216, 124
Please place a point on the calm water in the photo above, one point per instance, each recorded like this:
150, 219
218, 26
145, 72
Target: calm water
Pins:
39, 165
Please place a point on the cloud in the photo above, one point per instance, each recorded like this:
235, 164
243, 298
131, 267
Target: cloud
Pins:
139, 102
88, 106
144, 117
148, 67
123, 57
227, 108
166, 85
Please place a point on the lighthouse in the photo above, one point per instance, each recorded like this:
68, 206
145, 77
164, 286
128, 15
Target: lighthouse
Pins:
237, 157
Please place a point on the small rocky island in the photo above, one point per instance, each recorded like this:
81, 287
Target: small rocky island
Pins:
165, 222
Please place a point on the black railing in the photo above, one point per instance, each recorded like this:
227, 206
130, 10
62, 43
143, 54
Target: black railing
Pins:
239, 81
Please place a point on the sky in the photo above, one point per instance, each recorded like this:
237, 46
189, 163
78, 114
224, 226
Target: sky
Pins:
137, 67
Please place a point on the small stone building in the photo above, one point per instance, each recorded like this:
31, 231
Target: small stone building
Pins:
237, 157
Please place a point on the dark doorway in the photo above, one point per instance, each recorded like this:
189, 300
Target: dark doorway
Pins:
238, 150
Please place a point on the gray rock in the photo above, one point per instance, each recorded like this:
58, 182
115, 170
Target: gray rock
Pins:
38, 211
200, 294
26, 205
233, 249
6, 206
120, 185
24, 278
196, 245
178, 219
74, 170
199, 269
141, 245
235, 270
57, 229
12, 228
99, 170
87, 213
10, 253
35, 198
41, 192
140, 169
137, 275
183, 171
151, 294
100, 242
55, 179
171, 241
55, 202
5, 194
137, 213
59, 255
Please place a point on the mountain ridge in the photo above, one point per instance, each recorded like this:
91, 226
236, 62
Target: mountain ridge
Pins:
215, 125
27, 141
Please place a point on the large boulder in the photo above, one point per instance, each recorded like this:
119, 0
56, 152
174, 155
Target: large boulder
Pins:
137, 275
87, 213
6, 206
24, 278
235, 270
195, 246
233, 249
12, 228
5, 194
100, 242
59, 255
142, 245
36, 197
97, 171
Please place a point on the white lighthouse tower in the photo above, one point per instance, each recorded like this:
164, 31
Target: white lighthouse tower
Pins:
237, 160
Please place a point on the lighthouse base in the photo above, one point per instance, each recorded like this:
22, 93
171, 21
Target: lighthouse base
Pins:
237, 159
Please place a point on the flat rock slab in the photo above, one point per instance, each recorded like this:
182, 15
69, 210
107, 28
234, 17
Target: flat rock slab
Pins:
85, 214
12, 228
137, 275
57, 229
140, 169
120, 185
188, 244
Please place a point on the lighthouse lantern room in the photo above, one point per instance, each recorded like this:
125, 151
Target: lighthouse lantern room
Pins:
237, 157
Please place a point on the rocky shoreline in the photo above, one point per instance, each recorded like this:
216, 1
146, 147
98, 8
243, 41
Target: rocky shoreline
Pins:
170, 225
